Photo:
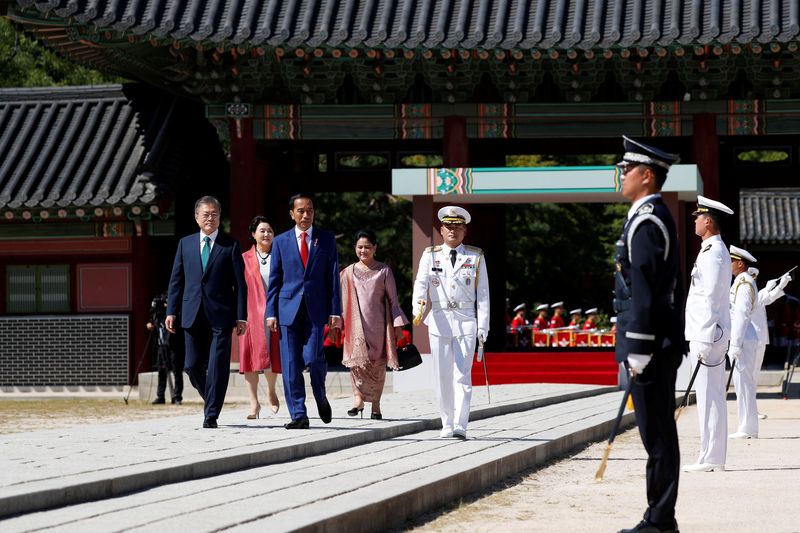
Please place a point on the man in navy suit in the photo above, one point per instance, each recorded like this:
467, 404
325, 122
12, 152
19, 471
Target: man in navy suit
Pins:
207, 290
303, 296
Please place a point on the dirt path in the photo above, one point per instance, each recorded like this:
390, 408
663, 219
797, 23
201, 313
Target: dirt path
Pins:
752, 495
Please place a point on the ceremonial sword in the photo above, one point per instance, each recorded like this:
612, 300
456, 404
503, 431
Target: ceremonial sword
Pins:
685, 400
485, 372
600, 471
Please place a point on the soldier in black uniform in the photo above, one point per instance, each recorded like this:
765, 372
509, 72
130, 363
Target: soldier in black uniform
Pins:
649, 303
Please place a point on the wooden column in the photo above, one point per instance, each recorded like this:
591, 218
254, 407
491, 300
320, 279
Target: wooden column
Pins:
685, 241
422, 236
705, 152
246, 193
455, 146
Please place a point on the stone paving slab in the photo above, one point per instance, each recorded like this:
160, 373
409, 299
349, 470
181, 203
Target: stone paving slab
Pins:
52, 468
387, 481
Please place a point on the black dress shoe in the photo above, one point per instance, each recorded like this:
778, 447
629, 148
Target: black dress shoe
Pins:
158, 401
376, 416
300, 423
210, 423
177, 401
646, 527
325, 412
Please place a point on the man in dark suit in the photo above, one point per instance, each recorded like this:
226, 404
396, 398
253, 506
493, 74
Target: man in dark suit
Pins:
208, 292
303, 296
648, 300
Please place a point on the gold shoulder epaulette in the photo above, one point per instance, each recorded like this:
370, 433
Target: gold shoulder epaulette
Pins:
473, 249
433, 248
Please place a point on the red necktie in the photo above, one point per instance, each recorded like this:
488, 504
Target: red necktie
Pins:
304, 249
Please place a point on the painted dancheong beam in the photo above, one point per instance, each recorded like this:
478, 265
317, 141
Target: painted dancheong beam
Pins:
533, 184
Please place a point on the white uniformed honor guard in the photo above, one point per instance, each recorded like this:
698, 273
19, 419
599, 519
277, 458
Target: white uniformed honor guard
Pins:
452, 279
708, 329
744, 342
766, 296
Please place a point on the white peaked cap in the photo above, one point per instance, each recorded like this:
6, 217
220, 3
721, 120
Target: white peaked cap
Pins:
706, 205
741, 253
452, 214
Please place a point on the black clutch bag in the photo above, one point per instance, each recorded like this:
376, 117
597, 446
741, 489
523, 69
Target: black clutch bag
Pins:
408, 357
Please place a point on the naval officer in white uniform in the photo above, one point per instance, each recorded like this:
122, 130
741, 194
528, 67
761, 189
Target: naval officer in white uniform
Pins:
708, 330
766, 296
744, 342
453, 285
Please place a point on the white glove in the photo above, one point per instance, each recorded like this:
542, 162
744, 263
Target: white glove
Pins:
733, 353
481, 336
771, 284
637, 362
785, 279
700, 349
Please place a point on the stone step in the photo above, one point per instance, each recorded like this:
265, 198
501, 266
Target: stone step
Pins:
361, 487
52, 468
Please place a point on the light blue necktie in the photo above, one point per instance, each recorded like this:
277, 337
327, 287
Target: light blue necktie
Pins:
206, 252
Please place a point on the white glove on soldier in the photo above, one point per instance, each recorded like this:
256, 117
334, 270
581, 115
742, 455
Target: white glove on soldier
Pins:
733, 353
637, 362
481, 340
785, 279
700, 349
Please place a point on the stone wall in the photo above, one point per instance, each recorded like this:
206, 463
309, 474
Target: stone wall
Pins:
64, 350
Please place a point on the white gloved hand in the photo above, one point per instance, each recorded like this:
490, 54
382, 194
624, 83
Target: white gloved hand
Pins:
785, 279
700, 349
733, 353
771, 284
637, 362
481, 336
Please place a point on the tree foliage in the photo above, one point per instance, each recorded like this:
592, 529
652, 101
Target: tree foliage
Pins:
27, 63
562, 252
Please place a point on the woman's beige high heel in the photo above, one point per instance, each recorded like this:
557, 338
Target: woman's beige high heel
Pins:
254, 416
274, 404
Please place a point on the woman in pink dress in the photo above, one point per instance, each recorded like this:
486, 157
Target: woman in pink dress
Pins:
373, 321
259, 350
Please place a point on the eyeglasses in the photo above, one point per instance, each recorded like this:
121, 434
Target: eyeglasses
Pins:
208, 216
627, 168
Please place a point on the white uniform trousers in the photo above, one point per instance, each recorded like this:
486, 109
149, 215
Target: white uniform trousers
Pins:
745, 382
761, 349
452, 367
712, 411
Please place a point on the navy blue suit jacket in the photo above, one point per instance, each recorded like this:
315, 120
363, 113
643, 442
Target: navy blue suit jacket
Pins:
289, 282
221, 289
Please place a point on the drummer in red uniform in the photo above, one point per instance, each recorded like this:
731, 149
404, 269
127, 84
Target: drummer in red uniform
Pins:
576, 322
558, 315
541, 321
519, 317
591, 319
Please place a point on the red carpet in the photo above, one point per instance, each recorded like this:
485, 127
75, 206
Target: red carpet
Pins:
589, 367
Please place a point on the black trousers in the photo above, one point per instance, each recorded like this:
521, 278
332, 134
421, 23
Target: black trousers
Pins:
208, 360
654, 402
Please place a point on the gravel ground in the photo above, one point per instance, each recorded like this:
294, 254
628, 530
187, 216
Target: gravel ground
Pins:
751, 495
48, 413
